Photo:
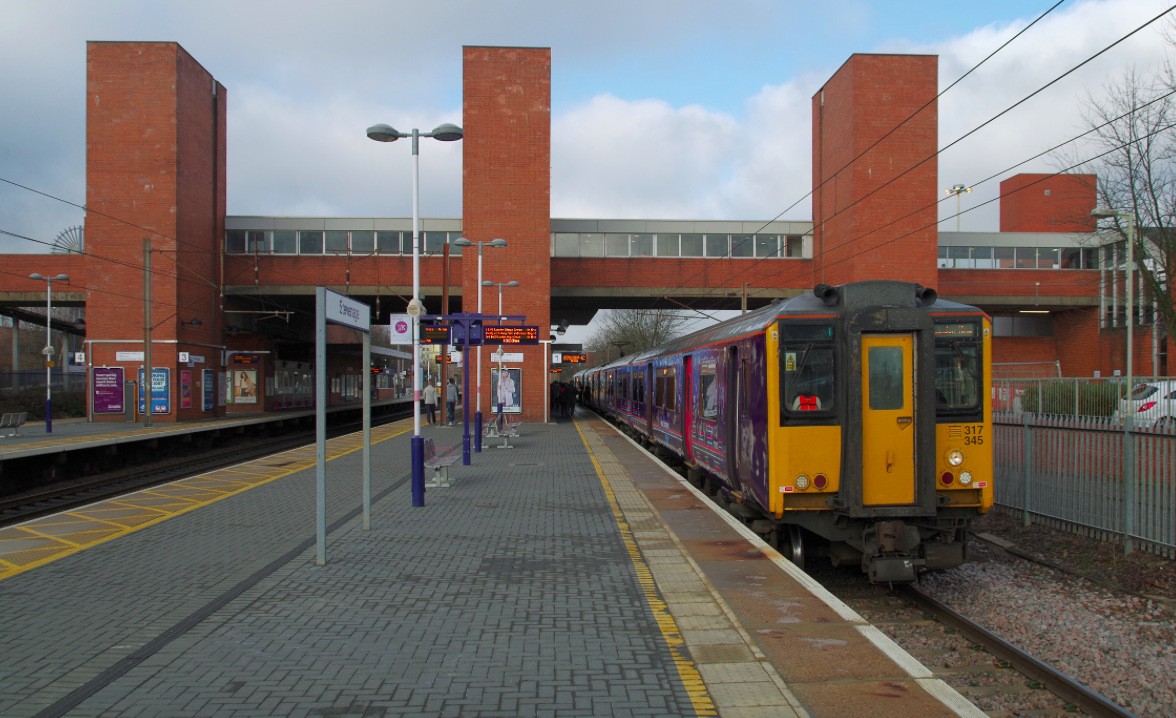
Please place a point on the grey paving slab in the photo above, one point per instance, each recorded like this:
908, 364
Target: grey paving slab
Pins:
511, 593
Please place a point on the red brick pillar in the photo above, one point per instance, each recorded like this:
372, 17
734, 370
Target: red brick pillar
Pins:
863, 229
506, 193
155, 168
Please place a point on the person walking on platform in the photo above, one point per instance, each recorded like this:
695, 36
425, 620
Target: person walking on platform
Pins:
450, 400
431, 402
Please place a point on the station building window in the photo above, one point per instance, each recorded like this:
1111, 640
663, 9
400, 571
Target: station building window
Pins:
667, 245
285, 242
717, 245
310, 242
673, 244
742, 245
234, 241
1018, 258
692, 245
767, 245
591, 245
363, 242
388, 242
1022, 325
566, 245
617, 245
641, 245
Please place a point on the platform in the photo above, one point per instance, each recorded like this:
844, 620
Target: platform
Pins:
72, 434
573, 575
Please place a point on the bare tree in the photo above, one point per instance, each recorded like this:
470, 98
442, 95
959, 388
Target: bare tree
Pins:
635, 330
1133, 128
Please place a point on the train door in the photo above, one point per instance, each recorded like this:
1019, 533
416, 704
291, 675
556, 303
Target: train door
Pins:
888, 419
733, 409
649, 399
687, 406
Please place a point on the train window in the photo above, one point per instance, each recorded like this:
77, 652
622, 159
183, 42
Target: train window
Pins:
639, 388
807, 371
957, 375
708, 389
744, 390
659, 390
887, 378
672, 389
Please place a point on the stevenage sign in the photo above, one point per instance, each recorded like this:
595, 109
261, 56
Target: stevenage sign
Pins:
348, 312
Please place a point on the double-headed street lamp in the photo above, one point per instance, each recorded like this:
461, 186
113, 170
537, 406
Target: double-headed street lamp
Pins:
48, 350
957, 190
463, 242
445, 133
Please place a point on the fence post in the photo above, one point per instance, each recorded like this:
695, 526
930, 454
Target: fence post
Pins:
1129, 481
1026, 466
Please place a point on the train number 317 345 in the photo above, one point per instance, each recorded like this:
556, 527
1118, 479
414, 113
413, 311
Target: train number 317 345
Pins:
973, 435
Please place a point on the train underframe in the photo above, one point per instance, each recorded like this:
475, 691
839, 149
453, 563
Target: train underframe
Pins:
889, 549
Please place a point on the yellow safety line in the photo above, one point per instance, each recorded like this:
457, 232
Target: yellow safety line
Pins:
72, 548
691, 679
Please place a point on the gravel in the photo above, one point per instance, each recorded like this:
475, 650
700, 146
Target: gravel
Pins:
1117, 644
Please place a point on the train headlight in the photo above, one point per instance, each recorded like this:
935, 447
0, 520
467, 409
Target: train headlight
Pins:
802, 482
955, 457
965, 478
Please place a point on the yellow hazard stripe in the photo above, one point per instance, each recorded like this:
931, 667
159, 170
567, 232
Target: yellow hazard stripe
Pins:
691, 680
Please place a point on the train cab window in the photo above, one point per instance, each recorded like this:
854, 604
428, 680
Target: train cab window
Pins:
807, 366
708, 389
958, 355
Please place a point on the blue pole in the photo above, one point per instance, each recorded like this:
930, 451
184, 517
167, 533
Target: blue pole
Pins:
418, 470
465, 409
48, 416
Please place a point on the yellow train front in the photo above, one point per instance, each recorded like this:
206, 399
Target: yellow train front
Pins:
857, 414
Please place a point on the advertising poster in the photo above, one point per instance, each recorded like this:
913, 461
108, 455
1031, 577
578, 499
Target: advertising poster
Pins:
160, 391
209, 387
244, 386
185, 389
108, 390
507, 388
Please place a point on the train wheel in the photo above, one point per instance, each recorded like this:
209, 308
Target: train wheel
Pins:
792, 544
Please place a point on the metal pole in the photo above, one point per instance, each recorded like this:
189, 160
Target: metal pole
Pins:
147, 388
48, 356
445, 311
1027, 466
320, 425
465, 407
478, 414
418, 441
1129, 413
367, 431
15, 354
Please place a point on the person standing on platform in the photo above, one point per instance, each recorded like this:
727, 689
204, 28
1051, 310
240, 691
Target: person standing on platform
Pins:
431, 402
450, 400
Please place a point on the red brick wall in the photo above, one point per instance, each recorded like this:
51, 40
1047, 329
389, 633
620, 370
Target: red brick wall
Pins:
1047, 203
1017, 283
866, 228
154, 160
506, 193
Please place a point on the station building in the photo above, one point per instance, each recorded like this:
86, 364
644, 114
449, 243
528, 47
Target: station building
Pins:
237, 292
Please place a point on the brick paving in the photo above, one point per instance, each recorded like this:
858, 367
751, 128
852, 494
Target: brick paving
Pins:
511, 593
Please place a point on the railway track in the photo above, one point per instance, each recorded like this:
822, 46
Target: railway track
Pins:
63, 496
995, 675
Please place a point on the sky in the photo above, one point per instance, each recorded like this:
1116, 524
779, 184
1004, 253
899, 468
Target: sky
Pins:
660, 109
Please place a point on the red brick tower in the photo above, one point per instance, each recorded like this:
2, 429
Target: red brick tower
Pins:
155, 168
1047, 203
865, 228
506, 193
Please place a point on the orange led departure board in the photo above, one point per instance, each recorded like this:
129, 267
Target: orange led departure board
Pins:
574, 358
510, 335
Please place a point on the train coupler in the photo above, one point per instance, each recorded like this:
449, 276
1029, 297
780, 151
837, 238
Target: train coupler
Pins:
891, 552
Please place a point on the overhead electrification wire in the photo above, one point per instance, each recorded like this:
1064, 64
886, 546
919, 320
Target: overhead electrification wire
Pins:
895, 129
953, 143
989, 178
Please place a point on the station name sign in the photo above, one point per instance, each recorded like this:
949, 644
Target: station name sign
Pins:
344, 310
492, 334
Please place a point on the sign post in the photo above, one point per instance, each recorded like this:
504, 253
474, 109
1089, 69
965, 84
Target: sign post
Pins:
338, 309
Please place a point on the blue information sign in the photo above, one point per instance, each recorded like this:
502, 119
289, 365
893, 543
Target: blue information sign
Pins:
459, 332
160, 391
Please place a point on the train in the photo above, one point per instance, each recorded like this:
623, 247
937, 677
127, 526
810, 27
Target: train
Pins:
854, 420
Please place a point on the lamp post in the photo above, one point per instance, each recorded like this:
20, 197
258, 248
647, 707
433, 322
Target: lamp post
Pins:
957, 190
463, 242
444, 133
1128, 409
500, 285
48, 350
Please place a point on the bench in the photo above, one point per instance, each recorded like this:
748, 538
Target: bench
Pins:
508, 431
439, 460
13, 421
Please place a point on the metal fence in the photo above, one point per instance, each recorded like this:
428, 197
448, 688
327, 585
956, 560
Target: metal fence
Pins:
13, 382
1076, 396
1085, 474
